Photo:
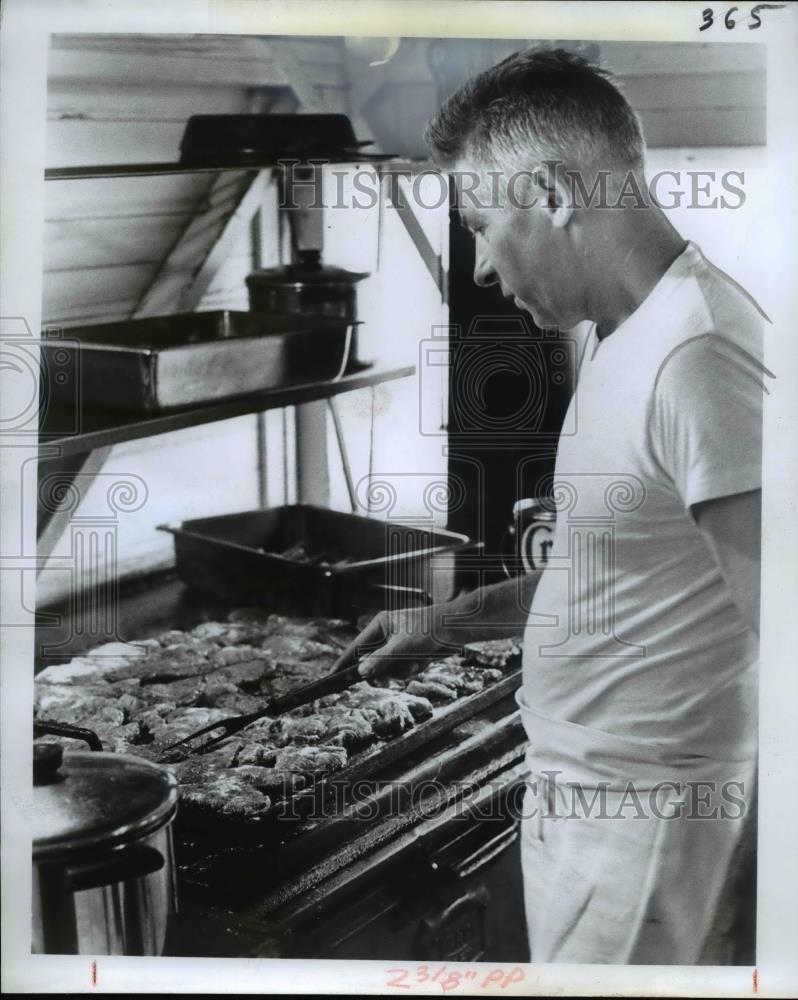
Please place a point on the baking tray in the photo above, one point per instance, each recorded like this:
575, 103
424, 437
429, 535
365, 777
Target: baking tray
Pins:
267, 138
237, 557
166, 362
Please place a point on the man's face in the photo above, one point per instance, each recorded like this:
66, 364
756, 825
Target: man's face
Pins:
517, 247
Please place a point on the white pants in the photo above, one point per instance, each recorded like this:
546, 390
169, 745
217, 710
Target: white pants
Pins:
617, 883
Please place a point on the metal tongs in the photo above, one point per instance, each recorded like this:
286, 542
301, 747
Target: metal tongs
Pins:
339, 678
329, 684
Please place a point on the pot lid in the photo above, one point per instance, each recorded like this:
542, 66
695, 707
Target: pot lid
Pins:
85, 800
308, 270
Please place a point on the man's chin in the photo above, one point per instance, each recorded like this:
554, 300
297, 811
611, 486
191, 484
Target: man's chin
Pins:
541, 320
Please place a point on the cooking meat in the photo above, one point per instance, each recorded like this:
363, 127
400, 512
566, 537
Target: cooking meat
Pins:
171, 663
297, 731
171, 637
227, 656
364, 694
389, 712
465, 680
155, 715
232, 701
227, 793
199, 768
348, 727
297, 647
180, 723
209, 630
290, 674
336, 726
114, 656
390, 683
253, 751
185, 692
86, 711
321, 759
246, 675
241, 633
213, 690
436, 691
53, 699
275, 783
118, 739
499, 653
80, 670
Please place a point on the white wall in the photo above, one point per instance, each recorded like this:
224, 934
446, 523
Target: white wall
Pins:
732, 237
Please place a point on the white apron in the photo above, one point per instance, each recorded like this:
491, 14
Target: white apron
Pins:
630, 877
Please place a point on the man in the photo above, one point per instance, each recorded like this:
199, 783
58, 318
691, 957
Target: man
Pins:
640, 641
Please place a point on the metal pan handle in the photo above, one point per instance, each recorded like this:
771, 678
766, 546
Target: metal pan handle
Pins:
46, 727
131, 862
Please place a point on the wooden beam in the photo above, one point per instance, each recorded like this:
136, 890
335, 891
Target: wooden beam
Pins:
190, 266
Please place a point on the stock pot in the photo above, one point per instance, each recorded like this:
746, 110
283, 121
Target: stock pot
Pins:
307, 288
103, 862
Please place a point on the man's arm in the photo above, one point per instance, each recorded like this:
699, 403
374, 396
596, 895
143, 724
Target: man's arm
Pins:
492, 612
732, 528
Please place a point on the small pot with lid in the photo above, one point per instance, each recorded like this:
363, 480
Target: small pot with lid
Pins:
307, 288
104, 879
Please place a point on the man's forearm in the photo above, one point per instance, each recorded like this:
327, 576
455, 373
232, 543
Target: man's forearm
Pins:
497, 611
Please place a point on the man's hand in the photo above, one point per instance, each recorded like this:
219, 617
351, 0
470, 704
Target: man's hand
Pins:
394, 637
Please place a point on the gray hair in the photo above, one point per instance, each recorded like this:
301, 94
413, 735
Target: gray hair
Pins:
538, 105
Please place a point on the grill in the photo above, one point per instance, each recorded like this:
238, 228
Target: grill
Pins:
392, 857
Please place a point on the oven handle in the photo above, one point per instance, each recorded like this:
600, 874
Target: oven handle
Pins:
483, 855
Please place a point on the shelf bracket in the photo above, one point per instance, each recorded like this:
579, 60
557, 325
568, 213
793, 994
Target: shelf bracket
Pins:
54, 519
433, 261
179, 283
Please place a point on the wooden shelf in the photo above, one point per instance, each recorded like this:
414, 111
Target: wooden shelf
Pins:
75, 432
157, 169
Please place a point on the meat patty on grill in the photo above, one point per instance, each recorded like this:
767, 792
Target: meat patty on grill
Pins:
500, 653
431, 688
465, 680
311, 759
334, 725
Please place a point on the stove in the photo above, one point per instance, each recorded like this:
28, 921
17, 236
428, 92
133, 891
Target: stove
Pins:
411, 853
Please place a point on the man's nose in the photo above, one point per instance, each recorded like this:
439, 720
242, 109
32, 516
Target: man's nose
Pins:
484, 273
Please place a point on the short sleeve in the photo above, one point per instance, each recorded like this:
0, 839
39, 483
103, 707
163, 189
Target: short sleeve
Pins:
706, 421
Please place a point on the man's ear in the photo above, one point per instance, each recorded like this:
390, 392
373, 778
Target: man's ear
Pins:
554, 196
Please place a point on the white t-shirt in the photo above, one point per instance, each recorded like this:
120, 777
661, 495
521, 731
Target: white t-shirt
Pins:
636, 660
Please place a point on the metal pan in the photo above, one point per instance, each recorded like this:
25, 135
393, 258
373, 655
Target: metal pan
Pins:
238, 557
166, 362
